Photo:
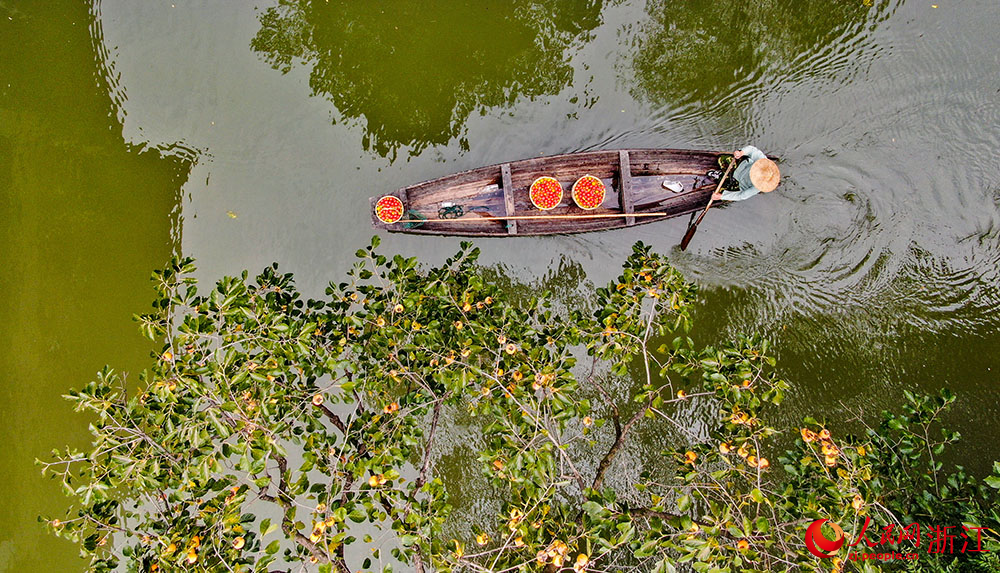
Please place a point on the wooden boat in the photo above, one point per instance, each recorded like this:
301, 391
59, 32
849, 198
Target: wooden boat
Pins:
494, 201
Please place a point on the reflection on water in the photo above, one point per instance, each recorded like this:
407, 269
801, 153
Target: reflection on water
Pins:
413, 72
707, 52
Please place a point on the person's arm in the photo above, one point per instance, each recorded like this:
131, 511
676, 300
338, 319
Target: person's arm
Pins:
752, 153
738, 195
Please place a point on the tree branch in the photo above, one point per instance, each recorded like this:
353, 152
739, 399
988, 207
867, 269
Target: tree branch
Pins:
282, 499
648, 512
427, 447
418, 561
622, 433
334, 418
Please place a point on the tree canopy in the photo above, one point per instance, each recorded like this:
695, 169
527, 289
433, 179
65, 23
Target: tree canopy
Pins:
278, 433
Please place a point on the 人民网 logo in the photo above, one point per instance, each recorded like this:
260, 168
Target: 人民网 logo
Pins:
818, 544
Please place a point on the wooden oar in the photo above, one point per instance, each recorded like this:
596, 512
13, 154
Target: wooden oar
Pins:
532, 218
694, 227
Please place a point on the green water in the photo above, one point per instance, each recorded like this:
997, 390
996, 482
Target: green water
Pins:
244, 134
85, 217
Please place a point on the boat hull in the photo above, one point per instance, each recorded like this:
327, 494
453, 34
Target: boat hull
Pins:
482, 199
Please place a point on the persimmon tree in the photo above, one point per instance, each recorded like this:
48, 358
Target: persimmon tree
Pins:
274, 433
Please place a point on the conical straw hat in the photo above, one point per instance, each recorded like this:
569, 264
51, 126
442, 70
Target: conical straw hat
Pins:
764, 175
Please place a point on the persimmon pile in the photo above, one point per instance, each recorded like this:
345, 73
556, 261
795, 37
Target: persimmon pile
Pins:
545, 193
389, 209
588, 192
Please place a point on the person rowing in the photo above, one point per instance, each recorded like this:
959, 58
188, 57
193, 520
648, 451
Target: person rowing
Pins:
754, 173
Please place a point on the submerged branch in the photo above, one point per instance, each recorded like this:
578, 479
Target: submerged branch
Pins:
621, 434
427, 447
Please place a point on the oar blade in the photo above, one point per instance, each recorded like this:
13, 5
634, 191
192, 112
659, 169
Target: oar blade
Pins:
688, 236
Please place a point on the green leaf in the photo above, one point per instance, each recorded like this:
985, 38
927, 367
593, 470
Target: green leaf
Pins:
267, 528
664, 566
684, 502
593, 509
646, 549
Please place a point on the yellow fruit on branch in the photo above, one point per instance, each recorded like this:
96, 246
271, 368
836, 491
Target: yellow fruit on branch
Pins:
858, 502
744, 450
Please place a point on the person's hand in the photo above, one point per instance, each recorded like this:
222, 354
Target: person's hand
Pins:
737, 154
716, 196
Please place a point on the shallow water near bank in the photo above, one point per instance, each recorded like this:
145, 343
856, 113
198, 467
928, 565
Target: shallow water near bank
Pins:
243, 135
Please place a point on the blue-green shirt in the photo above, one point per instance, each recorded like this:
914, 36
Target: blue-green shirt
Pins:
742, 174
